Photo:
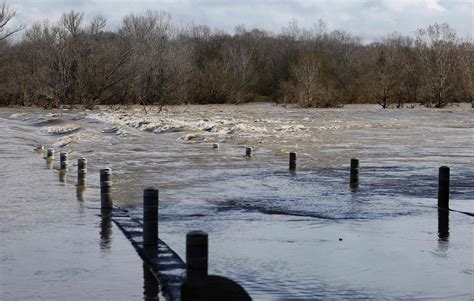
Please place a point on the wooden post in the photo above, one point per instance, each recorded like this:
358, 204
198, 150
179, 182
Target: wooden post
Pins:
82, 172
63, 164
196, 255
150, 218
354, 181
106, 188
443, 187
292, 162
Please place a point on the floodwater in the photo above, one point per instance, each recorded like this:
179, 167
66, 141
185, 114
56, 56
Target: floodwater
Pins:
53, 246
283, 236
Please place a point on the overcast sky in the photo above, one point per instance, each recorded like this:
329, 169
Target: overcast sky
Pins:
366, 18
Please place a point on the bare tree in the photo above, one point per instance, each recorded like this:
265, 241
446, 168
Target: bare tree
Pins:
383, 74
466, 80
309, 86
243, 57
71, 63
6, 15
437, 49
150, 60
148, 36
392, 72
344, 50
408, 68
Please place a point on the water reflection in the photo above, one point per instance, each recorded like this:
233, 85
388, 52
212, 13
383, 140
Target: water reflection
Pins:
49, 163
62, 175
39, 150
150, 251
443, 225
354, 186
106, 230
150, 285
443, 232
363, 133
80, 193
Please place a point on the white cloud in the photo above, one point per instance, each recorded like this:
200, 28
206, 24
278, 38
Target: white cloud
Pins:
367, 18
403, 5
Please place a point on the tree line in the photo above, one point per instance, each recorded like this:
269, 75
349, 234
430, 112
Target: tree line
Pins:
149, 59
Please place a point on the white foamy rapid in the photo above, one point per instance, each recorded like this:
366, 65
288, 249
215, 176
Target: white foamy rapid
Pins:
203, 126
62, 129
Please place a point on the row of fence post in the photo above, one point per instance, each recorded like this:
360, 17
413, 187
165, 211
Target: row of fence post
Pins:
106, 176
198, 284
443, 177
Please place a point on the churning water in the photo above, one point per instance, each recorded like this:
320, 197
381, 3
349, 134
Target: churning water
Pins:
283, 236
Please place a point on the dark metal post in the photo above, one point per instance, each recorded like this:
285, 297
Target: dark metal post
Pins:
443, 187
63, 163
106, 188
50, 154
196, 255
248, 152
292, 162
354, 172
82, 172
150, 218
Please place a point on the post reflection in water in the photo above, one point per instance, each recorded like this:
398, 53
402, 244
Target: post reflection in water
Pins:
80, 192
150, 285
105, 230
49, 163
62, 175
443, 224
443, 231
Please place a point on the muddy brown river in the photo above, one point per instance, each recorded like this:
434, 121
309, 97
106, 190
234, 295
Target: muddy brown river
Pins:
283, 236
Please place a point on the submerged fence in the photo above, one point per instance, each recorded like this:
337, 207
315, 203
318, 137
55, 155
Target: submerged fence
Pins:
190, 280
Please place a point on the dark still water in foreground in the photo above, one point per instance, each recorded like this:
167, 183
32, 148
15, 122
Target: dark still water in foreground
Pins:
282, 236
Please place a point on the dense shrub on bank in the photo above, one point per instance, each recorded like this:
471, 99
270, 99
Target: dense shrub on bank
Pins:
151, 60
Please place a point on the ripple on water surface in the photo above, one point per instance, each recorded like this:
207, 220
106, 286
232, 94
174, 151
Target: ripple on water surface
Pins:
306, 235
